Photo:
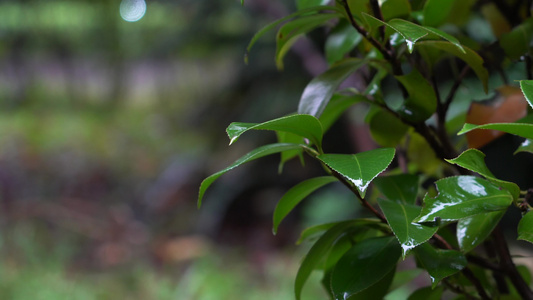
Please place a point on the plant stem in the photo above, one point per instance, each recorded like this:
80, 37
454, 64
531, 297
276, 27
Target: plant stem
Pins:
361, 199
376, 10
508, 267
388, 54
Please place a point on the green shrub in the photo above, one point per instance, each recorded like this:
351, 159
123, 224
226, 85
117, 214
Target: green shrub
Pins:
424, 64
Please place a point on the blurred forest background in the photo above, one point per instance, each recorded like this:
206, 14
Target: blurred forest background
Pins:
107, 128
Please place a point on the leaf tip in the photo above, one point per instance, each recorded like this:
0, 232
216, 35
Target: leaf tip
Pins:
233, 140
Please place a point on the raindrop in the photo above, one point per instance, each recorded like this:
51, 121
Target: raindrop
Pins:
132, 10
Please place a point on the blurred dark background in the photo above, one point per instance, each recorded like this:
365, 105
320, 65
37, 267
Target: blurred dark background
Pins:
112, 113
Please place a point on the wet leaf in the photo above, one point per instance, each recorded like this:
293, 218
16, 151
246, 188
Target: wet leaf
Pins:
274, 24
294, 29
439, 263
364, 265
525, 228
461, 197
527, 88
474, 160
254, 154
295, 195
377, 290
320, 250
303, 125
422, 100
524, 130
526, 146
412, 32
401, 188
361, 168
399, 216
472, 231
319, 91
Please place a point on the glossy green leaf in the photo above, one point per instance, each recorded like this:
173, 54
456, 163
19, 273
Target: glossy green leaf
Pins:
395, 9
313, 231
399, 216
364, 265
427, 293
436, 12
527, 88
406, 26
422, 100
439, 263
526, 146
320, 250
294, 29
461, 197
518, 42
295, 195
524, 130
337, 106
377, 290
303, 4
274, 24
401, 188
342, 39
254, 154
319, 91
303, 125
525, 228
361, 168
412, 32
474, 160
386, 129
472, 231
469, 56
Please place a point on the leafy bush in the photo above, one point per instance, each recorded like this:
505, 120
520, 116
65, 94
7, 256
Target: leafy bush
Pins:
425, 65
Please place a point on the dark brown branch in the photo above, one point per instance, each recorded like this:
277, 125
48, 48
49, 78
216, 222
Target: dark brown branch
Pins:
387, 54
455, 87
457, 289
477, 284
376, 10
508, 267
480, 261
498, 275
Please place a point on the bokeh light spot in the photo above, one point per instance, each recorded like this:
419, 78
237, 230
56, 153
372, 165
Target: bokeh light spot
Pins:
132, 10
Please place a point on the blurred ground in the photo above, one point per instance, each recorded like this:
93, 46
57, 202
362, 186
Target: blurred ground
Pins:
107, 128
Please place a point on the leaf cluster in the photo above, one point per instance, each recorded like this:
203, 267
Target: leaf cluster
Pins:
443, 227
